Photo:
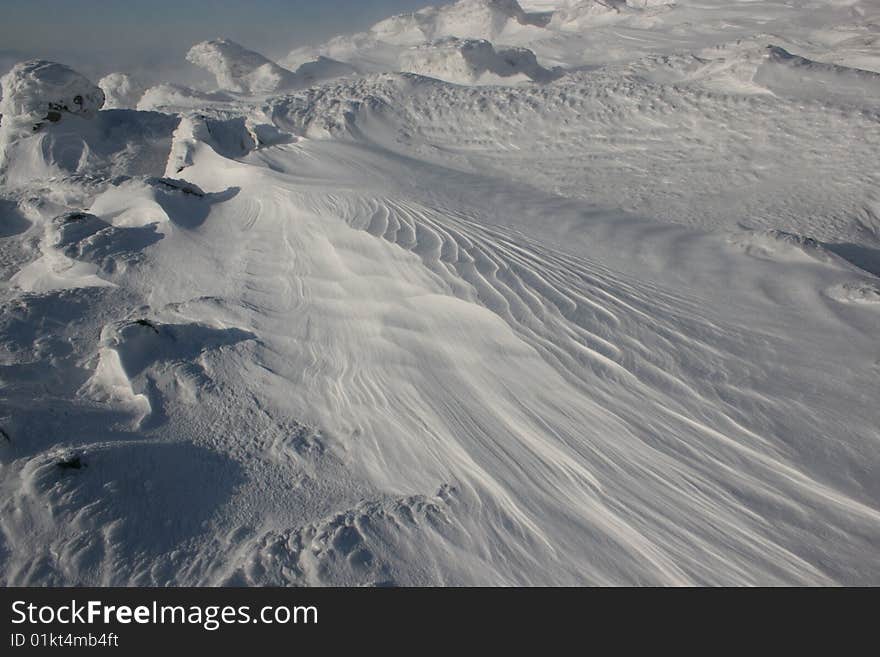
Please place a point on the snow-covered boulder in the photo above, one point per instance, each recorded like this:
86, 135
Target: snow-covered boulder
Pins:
36, 92
240, 70
120, 91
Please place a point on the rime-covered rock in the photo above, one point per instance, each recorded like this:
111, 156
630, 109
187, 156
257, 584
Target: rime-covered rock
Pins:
36, 92
120, 91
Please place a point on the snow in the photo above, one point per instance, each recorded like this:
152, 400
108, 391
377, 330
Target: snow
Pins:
35, 92
481, 322
469, 61
239, 69
243, 71
121, 91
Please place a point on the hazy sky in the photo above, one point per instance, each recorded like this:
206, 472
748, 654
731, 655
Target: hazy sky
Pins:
101, 36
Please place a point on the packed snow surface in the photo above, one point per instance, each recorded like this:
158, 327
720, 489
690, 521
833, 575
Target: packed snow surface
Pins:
495, 293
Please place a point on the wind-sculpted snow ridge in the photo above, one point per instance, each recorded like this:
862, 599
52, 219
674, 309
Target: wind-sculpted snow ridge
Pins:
619, 327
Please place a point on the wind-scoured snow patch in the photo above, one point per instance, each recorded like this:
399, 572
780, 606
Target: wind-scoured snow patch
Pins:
142, 361
360, 546
79, 249
61, 266
779, 244
151, 201
100, 512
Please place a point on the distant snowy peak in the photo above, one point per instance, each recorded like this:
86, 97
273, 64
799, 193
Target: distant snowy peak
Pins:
490, 19
239, 69
37, 91
582, 14
482, 18
468, 61
474, 19
244, 71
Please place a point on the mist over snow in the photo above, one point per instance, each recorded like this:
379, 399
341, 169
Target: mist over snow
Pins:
549, 292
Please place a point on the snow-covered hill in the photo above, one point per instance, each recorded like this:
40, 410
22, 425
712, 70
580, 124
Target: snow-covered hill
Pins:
431, 310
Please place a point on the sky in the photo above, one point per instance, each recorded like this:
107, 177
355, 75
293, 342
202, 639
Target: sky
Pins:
102, 36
